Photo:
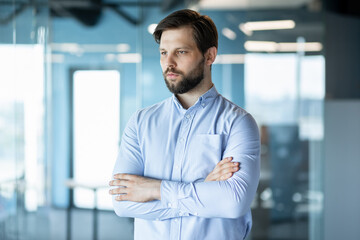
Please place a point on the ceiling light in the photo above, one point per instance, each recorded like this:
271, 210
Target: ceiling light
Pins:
110, 57
294, 47
230, 34
65, 47
151, 28
129, 58
76, 48
268, 46
260, 46
249, 27
123, 47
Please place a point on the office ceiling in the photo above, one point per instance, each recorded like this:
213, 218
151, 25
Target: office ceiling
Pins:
253, 4
90, 11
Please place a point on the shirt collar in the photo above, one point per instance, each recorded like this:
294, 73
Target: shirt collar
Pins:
210, 95
178, 104
203, 100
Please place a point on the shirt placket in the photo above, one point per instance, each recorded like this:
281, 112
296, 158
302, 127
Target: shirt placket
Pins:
179, 157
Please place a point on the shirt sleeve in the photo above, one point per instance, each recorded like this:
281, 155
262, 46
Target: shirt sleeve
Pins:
225, 199
130, 161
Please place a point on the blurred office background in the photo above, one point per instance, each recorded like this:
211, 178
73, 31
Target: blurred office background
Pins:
73, 72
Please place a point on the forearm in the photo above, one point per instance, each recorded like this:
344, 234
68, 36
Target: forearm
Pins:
225, 199
154, 210
138, 197
134, 188
207, 199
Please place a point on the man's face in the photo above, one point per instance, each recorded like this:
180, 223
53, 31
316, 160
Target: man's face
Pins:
181, 61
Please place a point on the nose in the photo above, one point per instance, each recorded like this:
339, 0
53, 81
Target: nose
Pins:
170, 61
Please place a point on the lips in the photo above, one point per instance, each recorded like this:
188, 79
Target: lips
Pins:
171, 75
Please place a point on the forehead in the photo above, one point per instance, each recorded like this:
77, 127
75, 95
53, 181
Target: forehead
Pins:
178, 37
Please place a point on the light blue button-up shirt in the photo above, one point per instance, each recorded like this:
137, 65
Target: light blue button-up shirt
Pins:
181, 147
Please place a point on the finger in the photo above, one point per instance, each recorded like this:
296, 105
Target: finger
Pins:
229, 170
229, 165
224, 172
220, 168
209, 178
225, 160
215, 176
120, 182
226, 176
123, 176
119, 190
123, 197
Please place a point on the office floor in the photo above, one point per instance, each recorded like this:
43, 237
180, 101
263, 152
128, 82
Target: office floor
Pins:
52, 224
109, 225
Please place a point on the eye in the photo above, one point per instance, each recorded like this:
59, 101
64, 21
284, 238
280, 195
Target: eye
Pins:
163, 53
181, 52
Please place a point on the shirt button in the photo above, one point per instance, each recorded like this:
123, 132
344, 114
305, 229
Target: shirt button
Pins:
181, 213
187, 116
203, 104
181, 139
176, 220
169, 205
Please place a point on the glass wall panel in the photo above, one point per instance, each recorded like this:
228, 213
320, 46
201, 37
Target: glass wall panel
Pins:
289, 112
285, 91
23, 165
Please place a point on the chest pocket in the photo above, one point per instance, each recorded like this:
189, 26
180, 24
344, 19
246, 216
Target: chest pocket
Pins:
204, 152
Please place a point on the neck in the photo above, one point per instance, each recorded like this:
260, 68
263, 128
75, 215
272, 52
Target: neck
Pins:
189, 98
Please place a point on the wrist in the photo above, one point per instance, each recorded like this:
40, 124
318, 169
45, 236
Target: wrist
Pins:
157, 190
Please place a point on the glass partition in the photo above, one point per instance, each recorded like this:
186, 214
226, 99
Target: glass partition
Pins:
284, 91
288, 105
23, 168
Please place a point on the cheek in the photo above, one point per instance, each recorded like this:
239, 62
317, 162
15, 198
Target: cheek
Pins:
162, 65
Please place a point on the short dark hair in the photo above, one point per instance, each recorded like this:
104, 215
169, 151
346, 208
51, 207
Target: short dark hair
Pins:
204, 29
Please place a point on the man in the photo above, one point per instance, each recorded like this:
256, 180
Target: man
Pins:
168, 174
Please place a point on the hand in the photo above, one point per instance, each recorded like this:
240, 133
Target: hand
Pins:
223, 170
135, 188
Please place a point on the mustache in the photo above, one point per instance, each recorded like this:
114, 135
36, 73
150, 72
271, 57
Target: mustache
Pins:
171, 70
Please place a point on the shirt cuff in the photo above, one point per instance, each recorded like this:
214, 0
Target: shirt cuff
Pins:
171, 196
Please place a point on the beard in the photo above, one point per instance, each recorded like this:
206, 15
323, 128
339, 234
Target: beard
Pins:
188, 82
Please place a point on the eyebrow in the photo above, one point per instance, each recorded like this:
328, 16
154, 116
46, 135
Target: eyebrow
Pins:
186, 48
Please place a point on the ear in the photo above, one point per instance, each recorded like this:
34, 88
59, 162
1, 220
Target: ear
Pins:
210, 55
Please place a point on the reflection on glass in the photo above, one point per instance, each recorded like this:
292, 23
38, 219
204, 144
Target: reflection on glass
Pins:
22, 175
96, 109
285, 94
22, 93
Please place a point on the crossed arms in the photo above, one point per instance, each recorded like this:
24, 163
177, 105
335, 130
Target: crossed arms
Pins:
142, 189
227, 191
